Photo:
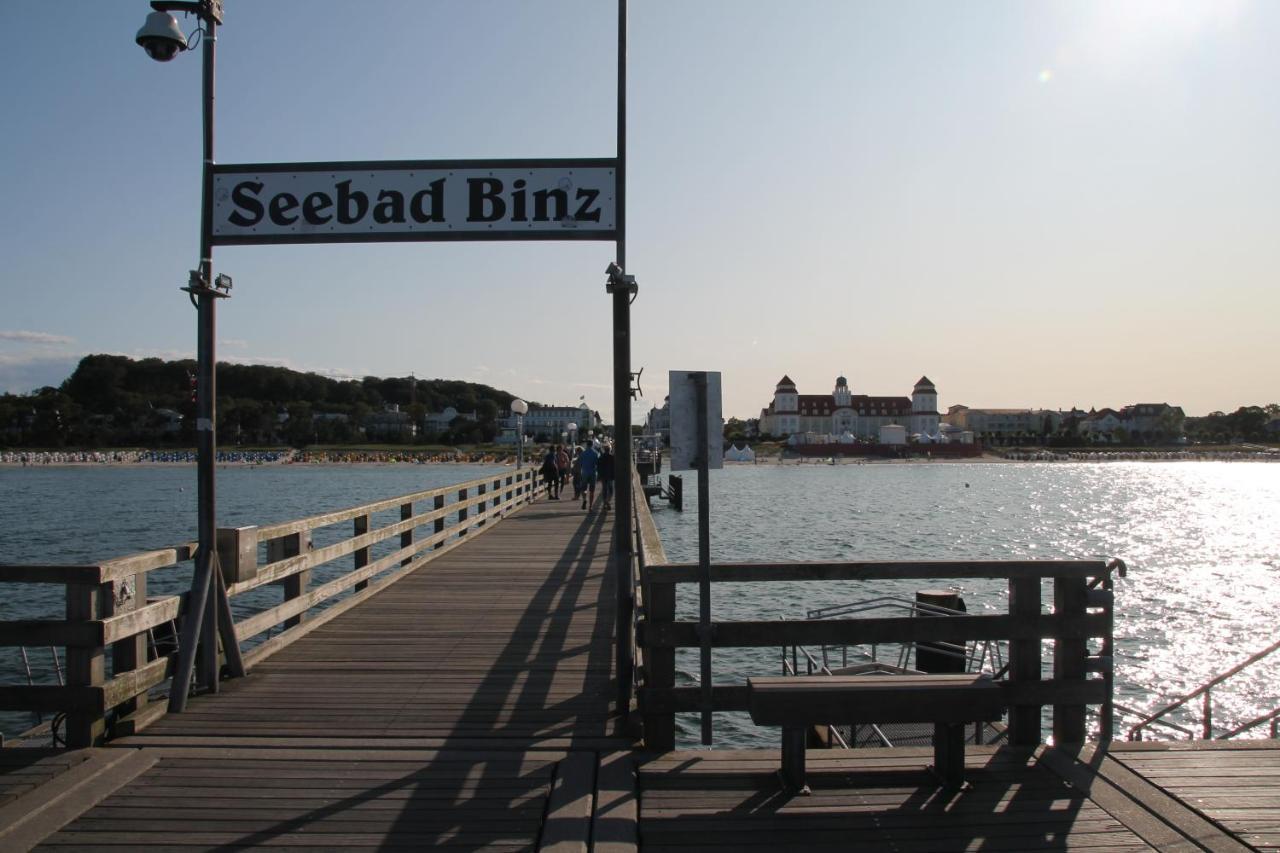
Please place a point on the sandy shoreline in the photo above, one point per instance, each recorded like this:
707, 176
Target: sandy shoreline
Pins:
46, 459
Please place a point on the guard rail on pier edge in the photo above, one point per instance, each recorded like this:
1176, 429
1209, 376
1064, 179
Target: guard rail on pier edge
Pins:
110, 618
1082, 612
1205, 694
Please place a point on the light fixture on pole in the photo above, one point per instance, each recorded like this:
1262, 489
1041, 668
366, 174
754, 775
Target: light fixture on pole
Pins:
573, 432
208, 616
519, 408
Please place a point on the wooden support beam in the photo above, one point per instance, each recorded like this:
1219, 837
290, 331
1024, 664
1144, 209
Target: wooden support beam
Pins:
660, 667
406, 537
283, 547
361, 555
129, 650
86, 666
1069, 661
1024, 659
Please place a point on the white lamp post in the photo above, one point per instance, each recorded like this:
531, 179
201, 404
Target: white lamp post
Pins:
573, 432
519, 408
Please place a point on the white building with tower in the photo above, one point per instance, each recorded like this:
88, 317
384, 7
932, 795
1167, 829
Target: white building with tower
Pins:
843, 413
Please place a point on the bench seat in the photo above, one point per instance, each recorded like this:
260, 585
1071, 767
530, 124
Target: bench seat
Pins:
948, 701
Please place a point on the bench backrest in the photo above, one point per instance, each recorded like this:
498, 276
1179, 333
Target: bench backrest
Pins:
806, 700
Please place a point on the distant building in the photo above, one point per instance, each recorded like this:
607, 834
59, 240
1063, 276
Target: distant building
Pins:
551, 423
1153, 421
168, 420
842, 412
658, 421
1140, 422
441, 421
1002, 423
391, 424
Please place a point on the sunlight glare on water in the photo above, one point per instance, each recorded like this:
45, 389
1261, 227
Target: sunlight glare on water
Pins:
1201, 541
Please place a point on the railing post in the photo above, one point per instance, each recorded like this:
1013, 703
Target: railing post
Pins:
496, 502
481, 491
1106, 714
660, 666
406, 538
1069, 597
1024, 660
296, 584
130, 653
439, 525
462, 512
86, 665
625, 628
361, 555
510, 494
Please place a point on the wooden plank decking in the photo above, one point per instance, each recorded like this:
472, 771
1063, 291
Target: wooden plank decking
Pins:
468, 705
883, 799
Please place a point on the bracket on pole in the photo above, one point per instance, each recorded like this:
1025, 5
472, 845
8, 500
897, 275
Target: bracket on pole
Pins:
206, 10
198, 286
637, 392
620, 281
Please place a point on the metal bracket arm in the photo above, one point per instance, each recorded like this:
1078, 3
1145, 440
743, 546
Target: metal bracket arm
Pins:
206, 10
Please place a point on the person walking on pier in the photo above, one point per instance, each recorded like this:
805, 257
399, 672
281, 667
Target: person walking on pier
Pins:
551, 474
575, 473
588, 458
562, 467
605, 469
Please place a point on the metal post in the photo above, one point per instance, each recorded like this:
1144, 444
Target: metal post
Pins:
519, 441
622, 541
208, 595
704, 553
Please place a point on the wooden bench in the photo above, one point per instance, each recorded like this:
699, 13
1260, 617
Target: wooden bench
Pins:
947, 701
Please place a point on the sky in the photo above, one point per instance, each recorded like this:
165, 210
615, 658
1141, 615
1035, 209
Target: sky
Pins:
1047, 204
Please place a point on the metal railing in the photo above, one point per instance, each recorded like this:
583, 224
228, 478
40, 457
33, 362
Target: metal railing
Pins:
1205, 694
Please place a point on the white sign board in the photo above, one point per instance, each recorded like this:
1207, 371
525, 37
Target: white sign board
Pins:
685, 451
415, 200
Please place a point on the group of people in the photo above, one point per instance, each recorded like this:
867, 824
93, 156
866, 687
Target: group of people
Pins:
584, 466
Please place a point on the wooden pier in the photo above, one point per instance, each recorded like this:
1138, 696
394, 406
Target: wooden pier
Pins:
466, 697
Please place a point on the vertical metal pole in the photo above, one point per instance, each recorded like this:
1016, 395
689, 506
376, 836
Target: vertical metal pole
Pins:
519, 441
704, 551
208, 597
622, 401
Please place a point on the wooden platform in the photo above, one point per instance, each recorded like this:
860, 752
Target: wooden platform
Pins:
883, 799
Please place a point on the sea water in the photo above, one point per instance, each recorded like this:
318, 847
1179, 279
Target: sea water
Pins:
1201, 541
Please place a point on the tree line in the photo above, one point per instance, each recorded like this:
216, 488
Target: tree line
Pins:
115, 401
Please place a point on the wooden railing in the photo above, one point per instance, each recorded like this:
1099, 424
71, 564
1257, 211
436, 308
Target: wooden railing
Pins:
1082, 611
110, 617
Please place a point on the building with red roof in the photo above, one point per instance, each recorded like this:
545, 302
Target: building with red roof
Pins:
843, 412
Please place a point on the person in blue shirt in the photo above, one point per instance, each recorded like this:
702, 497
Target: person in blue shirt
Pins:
588, 458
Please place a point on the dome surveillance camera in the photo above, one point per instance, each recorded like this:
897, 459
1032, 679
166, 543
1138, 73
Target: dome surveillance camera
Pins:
161, 37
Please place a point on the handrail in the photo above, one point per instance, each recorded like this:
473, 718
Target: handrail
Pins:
1205, 690
110, 615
